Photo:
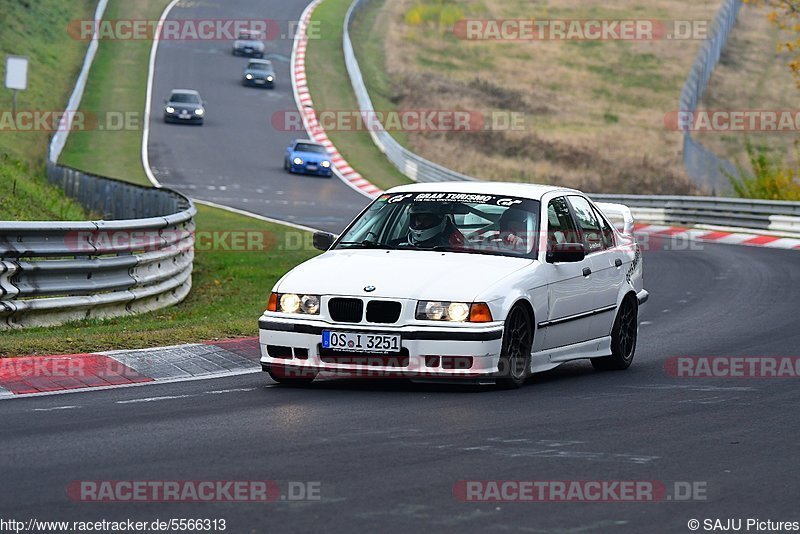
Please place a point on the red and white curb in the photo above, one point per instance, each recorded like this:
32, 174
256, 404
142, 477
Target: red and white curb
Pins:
32, 375
306, 107
718, 236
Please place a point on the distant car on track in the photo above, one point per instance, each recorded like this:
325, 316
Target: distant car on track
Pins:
250, 43
184, 105
307, 157
259, 73
465, 280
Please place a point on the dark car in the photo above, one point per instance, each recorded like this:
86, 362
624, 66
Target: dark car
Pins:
249, 44
259, 73
184, 105
307, 157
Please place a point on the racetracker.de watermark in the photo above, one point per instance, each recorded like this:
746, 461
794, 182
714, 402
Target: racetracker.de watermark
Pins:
580, 29
733, 366
245, 491
734, 120
622, 491
192, 29
38, 120
409, 120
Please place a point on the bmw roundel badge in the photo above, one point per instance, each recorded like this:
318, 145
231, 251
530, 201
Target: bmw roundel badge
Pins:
369, 289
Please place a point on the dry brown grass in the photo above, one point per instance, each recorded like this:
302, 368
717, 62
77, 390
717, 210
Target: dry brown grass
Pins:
594, 111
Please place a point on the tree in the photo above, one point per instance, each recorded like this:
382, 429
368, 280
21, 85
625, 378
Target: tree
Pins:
785, 14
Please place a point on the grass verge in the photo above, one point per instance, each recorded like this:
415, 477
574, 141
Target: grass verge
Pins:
331, 90
230, 287
37, 30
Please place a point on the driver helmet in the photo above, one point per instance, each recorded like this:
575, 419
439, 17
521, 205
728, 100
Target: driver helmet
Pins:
427, 221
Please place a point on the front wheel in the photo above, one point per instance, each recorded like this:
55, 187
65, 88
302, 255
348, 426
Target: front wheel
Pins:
515, 355
623, 338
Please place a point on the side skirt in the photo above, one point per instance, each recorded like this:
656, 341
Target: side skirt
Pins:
548, 359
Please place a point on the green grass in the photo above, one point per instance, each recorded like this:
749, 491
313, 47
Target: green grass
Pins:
331, 90
38, 30
116, 86
230, 288
230, 291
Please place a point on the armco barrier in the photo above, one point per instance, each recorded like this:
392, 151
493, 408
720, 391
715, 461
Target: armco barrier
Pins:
772, 215
52, 272
137, 257
415, 167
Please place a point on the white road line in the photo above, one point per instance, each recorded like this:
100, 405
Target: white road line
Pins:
56, 408
155, 399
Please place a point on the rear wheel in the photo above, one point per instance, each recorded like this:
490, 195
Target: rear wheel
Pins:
290, 376
623, 338
515, 356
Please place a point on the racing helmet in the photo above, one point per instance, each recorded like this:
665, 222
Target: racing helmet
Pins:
426, 222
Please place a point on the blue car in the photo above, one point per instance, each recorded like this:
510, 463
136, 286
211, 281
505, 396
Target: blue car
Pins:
307, 157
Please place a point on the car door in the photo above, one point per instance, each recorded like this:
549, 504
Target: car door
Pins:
604, 261
569, 300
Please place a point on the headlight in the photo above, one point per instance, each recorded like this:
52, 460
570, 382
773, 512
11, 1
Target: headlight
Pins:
248, 76
199, 111
458, 312
326, 164
269, 78
169, 109
297, 161
294, 303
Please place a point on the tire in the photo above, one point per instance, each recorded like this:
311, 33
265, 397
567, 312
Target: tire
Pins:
624, 334
291, 377
515, 356
286, 165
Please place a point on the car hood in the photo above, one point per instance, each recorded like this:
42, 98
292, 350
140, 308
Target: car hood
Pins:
242, 43
411, 274
183, 105
311, 156
260, 73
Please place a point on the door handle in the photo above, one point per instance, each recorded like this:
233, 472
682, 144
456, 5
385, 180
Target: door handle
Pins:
618, 262
587, 271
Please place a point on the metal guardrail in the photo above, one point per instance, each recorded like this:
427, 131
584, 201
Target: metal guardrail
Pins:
773, 215
138, 257
415, 167
777, 216
706, 168
52, 272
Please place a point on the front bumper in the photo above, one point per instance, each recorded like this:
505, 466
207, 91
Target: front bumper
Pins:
258, 82
318, 171
175, 117
465, 352
248, 52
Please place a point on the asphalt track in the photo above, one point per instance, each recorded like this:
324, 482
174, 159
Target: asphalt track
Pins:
387, 454
236, 157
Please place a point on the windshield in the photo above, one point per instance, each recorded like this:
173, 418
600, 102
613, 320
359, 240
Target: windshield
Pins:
308, 147
184, 98
260, 66
449, 222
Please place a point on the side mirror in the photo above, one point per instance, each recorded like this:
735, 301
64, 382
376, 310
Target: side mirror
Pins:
323, 240
566, 253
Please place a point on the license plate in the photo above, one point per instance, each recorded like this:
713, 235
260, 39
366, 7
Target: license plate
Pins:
360, 342
311, 167
260, 81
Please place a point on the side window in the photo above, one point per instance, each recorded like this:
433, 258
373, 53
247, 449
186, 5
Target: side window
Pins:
605, 229
589, 225
560, 226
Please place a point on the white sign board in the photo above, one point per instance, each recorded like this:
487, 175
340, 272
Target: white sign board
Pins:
17, 72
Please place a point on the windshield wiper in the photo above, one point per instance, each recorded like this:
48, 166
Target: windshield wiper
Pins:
367, 244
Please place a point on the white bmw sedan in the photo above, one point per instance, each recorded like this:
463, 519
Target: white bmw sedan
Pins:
469, 280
